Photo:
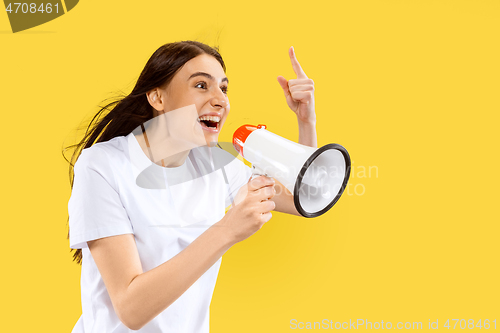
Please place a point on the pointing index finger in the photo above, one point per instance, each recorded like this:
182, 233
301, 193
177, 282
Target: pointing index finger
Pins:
295, 64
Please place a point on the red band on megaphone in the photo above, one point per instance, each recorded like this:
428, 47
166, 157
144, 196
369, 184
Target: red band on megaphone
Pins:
241, 135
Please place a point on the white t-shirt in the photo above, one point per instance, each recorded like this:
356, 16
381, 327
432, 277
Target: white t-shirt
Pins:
118, 190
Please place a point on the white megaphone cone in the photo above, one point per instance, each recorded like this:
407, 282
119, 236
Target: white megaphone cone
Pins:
316, 177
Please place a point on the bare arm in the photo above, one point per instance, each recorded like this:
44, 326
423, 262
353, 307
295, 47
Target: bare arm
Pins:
284, 200
307, 134
139, 296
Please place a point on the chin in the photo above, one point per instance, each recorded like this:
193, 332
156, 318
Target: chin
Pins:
211, 140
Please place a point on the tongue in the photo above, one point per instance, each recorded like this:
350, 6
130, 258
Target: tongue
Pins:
209, 123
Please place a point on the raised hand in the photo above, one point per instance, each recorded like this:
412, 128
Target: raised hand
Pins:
299, 92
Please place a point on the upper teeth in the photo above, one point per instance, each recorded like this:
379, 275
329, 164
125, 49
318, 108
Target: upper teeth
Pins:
210, 118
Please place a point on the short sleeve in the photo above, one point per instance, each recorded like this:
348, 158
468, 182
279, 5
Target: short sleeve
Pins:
95, 208
237, 174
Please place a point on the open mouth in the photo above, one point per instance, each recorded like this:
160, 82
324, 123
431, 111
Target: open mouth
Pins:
210, 123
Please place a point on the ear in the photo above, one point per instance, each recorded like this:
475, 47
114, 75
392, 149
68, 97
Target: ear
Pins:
155, 99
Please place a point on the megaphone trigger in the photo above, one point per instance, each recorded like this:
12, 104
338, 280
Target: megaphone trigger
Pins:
256, 172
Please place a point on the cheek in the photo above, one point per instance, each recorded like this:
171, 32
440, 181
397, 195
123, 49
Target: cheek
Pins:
228, 110
185, 99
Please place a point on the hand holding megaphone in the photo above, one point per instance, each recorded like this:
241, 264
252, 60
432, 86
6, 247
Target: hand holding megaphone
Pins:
316, 177
251, 209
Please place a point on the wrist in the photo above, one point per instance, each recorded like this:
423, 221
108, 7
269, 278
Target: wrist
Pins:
223, 232
306, 122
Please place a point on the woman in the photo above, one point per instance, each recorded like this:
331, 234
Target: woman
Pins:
148, 222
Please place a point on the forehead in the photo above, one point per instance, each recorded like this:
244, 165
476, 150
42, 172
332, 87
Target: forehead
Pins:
202, 63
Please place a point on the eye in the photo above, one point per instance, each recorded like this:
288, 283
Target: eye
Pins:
202, 85
224, 89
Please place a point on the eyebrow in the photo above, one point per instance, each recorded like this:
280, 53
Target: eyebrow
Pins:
208, 76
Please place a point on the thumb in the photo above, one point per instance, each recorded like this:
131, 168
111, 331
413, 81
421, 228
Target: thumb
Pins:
284, 84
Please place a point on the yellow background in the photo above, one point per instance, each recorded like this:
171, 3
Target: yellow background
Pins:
410, 88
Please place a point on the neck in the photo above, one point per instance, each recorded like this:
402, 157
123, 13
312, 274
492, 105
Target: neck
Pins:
167, 142
174, 161
163, 150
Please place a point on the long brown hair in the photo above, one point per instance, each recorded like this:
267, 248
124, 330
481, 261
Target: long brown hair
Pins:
121, 116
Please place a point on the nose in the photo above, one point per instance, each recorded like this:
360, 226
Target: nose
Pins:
219, 101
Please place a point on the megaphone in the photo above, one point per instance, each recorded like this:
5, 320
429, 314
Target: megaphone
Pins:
316, 177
